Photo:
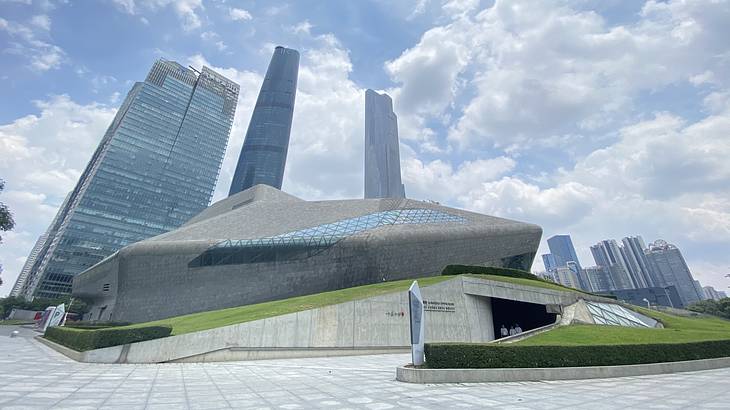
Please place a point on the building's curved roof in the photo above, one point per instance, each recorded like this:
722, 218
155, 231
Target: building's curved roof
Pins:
266, 212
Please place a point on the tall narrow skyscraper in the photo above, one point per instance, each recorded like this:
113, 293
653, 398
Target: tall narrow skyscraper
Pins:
263, 156
155, 167
382, 156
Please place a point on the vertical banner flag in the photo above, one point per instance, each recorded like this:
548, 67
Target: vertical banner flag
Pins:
43, 324
57, 316
415, 303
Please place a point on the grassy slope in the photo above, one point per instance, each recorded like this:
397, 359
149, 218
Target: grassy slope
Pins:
208, 320
676, 330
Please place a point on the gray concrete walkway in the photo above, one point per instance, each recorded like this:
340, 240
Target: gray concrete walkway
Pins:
34, 376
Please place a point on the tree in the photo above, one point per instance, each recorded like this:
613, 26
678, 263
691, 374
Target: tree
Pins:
713, 307
6, 219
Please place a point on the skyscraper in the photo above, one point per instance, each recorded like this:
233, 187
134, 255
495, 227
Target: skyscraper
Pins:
563, 252
382, 157
549, 261
599, 278
607, 254
263, 156
667, 262
633, 251
561, 246
155, 168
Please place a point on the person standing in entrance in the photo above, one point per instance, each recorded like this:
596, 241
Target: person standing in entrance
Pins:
503, 331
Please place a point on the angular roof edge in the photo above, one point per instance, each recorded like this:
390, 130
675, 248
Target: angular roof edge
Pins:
254, 194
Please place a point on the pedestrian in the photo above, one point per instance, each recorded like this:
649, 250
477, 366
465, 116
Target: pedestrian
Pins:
512, 331
503, 331
518, 329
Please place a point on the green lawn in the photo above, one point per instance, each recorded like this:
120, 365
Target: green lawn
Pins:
676, 330
208, 320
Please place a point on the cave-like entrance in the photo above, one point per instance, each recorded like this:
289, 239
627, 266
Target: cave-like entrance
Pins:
512, 312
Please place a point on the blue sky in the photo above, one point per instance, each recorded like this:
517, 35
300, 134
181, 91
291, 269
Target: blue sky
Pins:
600, 119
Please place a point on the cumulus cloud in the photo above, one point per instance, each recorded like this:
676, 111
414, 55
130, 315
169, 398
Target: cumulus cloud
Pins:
237, 14
186, 10
529, 70
33, 44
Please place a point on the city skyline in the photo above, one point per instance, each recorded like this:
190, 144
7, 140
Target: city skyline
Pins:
155, 168
485, 124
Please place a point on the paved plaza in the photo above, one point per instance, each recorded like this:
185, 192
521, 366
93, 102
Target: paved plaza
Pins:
34, 376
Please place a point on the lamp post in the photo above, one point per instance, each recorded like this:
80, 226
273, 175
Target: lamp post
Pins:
648, 305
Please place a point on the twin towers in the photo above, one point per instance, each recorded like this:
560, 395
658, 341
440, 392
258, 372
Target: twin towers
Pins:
263, 156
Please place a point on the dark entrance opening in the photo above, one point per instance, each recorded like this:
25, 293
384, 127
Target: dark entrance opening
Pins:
511, 312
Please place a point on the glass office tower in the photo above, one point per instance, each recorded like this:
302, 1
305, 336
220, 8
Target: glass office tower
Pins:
382, 156
155, 168
263, 155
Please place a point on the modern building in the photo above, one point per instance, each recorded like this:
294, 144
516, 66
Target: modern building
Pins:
607, 254
654, 296
155, 167
567, 276
549, 261
710, 293
22, 279
599, 278
263, 244
462, 308
263, 156
562, 254
382, 156
668, 263
561, 247
635, 260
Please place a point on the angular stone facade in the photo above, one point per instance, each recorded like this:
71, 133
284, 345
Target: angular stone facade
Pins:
262, 244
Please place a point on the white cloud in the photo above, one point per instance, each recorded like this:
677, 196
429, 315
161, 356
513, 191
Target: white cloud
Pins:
519, 71
42, 55
186, 10
237, 14
41, 21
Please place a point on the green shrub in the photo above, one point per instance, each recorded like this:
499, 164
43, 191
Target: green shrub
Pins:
465, 355
488, 270
89, 339
95, 325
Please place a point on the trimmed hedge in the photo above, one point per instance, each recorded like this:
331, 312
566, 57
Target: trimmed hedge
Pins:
476, 356
83, 339
95, 325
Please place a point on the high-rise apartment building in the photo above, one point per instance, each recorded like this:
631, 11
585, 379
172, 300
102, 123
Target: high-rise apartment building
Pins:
155, 167
668, 263
599, 278
710, 293
263, 156
382, 156
607, 254
635, 259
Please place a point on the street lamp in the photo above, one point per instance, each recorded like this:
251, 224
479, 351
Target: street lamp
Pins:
648, 305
